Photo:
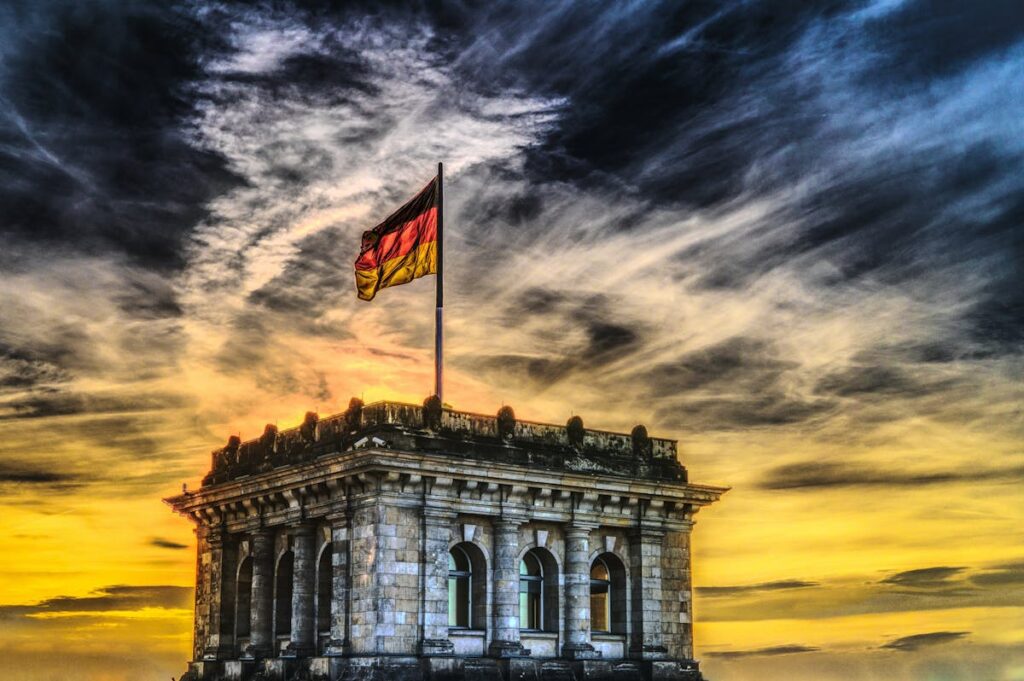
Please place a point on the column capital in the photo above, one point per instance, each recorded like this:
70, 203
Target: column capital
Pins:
648, 532
302, 529
215, 536
338, 515
509, 521
438, 514
579, 527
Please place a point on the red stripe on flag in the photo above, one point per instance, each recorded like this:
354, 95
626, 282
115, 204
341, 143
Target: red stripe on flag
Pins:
401, 241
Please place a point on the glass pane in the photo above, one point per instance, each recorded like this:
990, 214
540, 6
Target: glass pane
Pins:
462, 602
599, 570
529, 609
451, 563
452, 603
599, 614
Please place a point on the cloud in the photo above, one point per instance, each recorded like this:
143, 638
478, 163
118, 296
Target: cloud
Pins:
34, 475
925, 577
108, 598
829, 475
763, 652
1008, 574
166, 544
909, 644
754, 588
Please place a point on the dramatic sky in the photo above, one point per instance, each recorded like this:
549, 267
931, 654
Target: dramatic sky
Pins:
790, 234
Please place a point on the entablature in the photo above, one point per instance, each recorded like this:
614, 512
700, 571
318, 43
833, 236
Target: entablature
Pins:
345, 480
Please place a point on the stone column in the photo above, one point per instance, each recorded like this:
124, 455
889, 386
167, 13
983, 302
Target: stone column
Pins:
262, 608
302, 641
505, 641
645, 562
437, 523
577, 593
217, 564
201, 624
339, 584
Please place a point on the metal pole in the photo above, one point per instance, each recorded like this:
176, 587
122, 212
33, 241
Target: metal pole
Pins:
439, 284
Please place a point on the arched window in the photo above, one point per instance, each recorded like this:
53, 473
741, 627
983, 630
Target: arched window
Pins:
324, 588
538, 591
283, 595
460, 594
600, 597
531, 592
608, 594
467, 587
243, 599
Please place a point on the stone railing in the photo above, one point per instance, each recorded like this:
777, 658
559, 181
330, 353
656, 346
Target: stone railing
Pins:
430, 427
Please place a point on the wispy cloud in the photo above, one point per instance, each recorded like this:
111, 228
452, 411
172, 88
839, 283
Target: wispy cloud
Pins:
910, 644
763, 652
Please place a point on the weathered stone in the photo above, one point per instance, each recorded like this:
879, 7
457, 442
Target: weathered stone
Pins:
324, 551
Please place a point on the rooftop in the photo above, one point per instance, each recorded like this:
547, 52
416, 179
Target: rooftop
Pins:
432, 428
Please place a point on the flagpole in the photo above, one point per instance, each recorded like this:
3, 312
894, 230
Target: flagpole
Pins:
439, 286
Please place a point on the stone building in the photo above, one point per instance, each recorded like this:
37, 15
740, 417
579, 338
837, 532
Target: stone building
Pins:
415, 542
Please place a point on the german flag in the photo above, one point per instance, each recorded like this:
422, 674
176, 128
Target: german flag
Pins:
402, 248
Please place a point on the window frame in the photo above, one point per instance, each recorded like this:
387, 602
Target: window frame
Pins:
607, 584
530, 579
457, 576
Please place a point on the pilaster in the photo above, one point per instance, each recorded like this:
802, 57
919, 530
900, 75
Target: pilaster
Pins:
340, 581
261, 611
505, 641
577, 592
436, 530
645, 562
302, 641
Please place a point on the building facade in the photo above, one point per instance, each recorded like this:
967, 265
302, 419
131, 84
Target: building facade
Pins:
398, 541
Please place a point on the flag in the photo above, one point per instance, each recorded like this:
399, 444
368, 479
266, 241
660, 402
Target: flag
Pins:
402, 248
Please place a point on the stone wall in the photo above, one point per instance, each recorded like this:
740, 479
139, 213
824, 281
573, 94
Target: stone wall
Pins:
677, 600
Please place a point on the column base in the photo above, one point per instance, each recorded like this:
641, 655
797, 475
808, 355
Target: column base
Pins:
256, 652
580, 651
337, 648
649, 652
224, 651
507, 649
436, 647
294, 649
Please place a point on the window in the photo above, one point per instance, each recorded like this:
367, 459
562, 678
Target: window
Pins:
600, 597
460, 580
608, 595
324, 588
531, 592
243, 598
283, 595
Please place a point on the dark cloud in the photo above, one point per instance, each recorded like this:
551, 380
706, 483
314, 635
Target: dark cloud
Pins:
53, 402
744, 589
925, 578
773, 408
763, 652
166, 544
582, 338
745, 364
877, 381
26, 474
927, 39
117, 597
95, 155
909, 644
1010, 574
824, 474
